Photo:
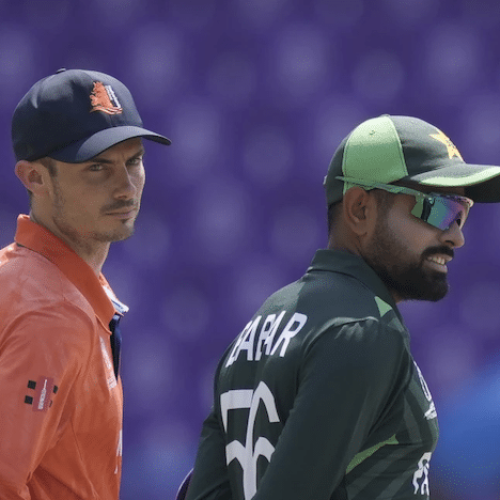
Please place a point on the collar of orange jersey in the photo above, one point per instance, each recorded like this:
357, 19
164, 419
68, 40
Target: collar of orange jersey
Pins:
31, 235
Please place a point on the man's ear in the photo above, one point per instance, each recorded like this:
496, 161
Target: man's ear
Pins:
30, 173
360, 211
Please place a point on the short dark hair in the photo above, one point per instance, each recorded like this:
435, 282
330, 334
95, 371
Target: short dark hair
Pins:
50, 165
385, 200
332, 215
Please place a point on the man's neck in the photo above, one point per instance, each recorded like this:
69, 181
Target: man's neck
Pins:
93, 252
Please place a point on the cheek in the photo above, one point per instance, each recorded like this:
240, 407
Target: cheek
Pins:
413, 234
81, 203
139, 183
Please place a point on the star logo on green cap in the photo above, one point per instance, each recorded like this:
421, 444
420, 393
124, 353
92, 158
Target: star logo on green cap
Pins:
452, 149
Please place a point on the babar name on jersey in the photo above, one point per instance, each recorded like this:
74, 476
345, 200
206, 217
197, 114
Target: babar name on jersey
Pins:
260, 336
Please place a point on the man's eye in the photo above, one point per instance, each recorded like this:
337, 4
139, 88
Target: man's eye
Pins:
460, 220
136, 161
96, 167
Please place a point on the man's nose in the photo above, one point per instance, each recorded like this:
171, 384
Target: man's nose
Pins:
126, 184
453, 236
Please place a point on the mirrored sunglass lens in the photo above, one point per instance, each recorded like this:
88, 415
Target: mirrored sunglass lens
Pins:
445, 211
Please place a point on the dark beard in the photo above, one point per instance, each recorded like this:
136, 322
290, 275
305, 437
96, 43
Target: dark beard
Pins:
409, 280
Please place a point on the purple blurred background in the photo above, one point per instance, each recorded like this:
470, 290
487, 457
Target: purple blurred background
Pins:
256, 95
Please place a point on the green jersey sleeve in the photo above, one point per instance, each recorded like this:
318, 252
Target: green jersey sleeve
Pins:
350, 380
211, 480
295, 435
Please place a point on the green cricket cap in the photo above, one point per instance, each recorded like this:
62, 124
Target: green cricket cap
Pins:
389, 148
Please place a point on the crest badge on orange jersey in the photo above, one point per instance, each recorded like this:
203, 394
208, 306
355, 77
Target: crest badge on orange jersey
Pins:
104, 99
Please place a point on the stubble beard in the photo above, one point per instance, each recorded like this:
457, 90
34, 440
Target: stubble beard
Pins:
408, 280
86, 241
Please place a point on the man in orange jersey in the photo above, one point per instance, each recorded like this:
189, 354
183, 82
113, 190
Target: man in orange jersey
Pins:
77, 137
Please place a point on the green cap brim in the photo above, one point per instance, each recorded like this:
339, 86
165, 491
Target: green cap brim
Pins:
481, 182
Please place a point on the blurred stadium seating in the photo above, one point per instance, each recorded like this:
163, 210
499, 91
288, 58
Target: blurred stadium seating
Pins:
256, 95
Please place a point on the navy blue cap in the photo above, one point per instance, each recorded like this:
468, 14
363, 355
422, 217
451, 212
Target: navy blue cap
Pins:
74, 115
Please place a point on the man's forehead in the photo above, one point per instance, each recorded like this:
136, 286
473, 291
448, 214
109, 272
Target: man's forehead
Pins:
129, 147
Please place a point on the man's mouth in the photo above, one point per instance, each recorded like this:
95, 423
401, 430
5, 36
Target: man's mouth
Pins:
123, 215
438, 262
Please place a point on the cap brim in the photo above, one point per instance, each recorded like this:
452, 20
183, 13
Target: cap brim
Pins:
481, 182
85, 149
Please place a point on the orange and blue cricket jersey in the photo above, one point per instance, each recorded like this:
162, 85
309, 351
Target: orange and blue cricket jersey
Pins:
61, 396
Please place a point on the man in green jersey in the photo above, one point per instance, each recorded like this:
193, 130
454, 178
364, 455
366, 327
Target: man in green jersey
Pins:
319, 397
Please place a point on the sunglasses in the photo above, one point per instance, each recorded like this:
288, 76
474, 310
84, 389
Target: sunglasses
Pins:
437, 209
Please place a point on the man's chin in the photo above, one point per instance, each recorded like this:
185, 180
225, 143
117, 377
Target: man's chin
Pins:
116, 235
413, 284
432, 290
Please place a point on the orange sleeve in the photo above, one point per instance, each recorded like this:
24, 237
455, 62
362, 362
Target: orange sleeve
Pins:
41, 354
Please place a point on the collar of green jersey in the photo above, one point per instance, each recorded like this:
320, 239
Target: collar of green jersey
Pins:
353, 265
